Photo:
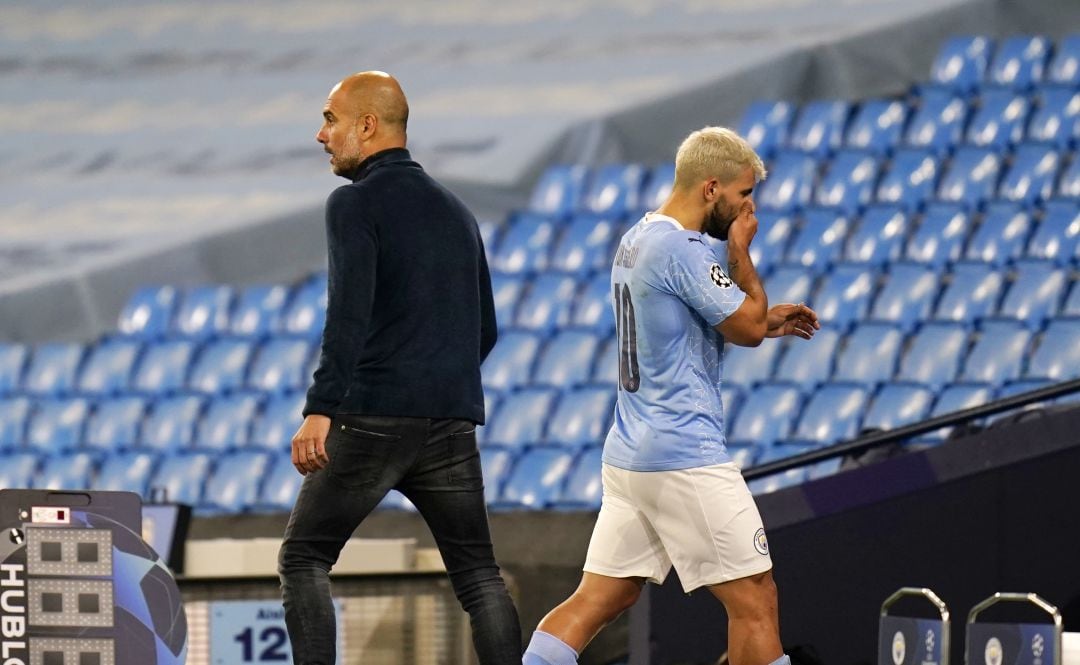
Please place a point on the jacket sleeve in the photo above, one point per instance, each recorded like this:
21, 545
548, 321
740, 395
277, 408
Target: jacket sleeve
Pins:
488, 325
352, 245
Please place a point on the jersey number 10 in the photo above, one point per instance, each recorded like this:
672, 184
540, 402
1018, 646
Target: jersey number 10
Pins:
629, 375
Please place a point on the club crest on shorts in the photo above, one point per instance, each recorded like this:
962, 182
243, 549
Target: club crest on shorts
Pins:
899, 648
719, 278
761, 544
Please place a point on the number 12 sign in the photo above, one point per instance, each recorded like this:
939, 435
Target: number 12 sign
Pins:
253, 631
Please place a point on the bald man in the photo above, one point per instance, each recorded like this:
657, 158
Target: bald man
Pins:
396, 398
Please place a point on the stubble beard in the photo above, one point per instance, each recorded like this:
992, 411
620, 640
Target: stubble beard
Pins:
719, 220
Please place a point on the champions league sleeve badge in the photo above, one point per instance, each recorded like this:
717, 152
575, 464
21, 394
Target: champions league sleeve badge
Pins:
719, 277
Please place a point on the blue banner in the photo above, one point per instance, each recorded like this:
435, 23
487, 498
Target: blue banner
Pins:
1011, 644
909, 641
253, 631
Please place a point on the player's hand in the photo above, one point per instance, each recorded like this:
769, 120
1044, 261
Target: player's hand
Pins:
744, 227
788, 319
309, 444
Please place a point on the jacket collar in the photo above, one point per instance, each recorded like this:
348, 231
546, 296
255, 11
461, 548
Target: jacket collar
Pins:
380, 158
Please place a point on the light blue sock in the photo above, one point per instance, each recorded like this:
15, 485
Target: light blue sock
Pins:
782, 660
545, 649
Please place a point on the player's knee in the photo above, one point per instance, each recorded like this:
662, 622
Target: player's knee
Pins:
754, 599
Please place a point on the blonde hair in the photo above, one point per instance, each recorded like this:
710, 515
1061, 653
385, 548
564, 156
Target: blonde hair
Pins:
715, 152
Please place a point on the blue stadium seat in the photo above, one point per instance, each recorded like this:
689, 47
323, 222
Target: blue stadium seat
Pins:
204, 311
810, 365
998, 353
181, 478
581, 417
1056, 119
972, 177
770, 243
1001, 236
1069, 183
1035, 293
789, 284
226, 423
584, 488
730, 400
956, 397
766, 416
743, 456
972, 293
766, 124
869, 354
567, 359
819, 241
109, 366
819, 127
939, 238
14, 412
1071, 306
126, 472
1064, 67
280, 365
546, 305
71, 471
56, 425
17, 471
506, 292
1057, 235
1057, 356
496, 463
537, 479
999, 119
1019, 62
12, 361
258, 310
896, 405
938, 121
281, 416
149, 312
832, 414
170, 423
164, 366
282, 485
849, 181
526, 244
221, 366
509, 365
910, 179
933, 354
114, 424
585, 244
877, 126
961, 63
790, 182
559, 190
53, 369
778, 481
593, 309
306, 312
613, 190
489, 231
657, 186
606, 370
843, 298
745, 366
522, 418
234, 485
879, 237
907, 295
1030, 177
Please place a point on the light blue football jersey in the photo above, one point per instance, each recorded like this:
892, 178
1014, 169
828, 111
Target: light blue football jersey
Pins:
668, 291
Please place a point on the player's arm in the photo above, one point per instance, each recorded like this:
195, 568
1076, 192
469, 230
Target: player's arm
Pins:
748, 325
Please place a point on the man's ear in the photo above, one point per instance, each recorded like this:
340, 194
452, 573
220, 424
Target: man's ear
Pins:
368, 124
711, 189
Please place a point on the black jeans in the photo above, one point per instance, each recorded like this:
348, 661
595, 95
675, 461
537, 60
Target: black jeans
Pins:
436, 465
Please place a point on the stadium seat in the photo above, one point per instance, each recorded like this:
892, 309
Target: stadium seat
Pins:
585, 244
280, 365
778, 481
547, 302
789, 284
807, 366
770, 243
204, 311
522, 418
730, 400
606, 370
999, 119
1071, 306
742, 455
906, 296
181, 478
226, 423
126, 472
657, 186
581, 417
281, 416
956, 397
848, 182
1056, 119
746, 366
819, 241
1001, 236
526, 244
933, 354
509, 365
877, 126
221, 366
972, 293
613, 190
17, 471
496, 463
584, 489
164, 366
12, 361
558, 191
149, 312
114, 424
939, 238
910, 179
938, 121
962, 62
819, 127
878, 238
766, 124
14, 412
896, 405
109, 366
869, 354
972, 177
56, 425
1036, 291
766, 416
170, 423
53, 369
305, 314
1030, 177
593, 309
1057, 235
843, 298
1057, 356
1069, 183
997, 354
258, 310
567, 359
282, 485
506, 291
234, 485
1019, 62
790, 183
1064, 67
537, 479
71, 471
832, 414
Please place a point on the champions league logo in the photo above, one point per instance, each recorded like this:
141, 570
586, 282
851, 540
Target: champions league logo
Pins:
993, 654
1038, 646
899, 648
718, 276
930, 646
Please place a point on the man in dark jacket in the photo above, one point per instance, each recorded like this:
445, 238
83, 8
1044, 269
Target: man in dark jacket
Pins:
397, 395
